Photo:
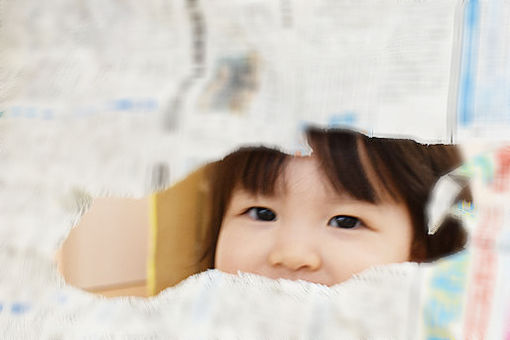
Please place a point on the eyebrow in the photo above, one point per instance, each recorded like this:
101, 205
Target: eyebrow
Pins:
331, 199
347, 200
343, 197
243, 194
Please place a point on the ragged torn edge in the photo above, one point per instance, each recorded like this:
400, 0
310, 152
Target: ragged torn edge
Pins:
443, 199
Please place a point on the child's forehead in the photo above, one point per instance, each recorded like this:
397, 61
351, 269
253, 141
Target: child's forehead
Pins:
306, 174
303, 175
301, 171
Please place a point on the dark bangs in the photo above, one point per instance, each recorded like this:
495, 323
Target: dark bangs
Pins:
339, 156
400, 169
254, 169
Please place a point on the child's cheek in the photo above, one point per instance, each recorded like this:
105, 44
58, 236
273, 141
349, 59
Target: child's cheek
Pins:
240, 248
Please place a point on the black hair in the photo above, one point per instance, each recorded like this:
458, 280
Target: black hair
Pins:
367, 168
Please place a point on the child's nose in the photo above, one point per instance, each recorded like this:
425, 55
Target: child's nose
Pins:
294, 255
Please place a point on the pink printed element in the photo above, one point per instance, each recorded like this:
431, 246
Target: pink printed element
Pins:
478, 308
507, 331
503, 169
483, 275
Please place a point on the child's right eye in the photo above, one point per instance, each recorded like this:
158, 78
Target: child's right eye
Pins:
344, 222
261, 214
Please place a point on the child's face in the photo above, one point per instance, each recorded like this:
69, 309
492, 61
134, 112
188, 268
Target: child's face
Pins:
309, 232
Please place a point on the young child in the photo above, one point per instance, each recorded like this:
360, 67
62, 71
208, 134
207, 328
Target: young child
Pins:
354, 203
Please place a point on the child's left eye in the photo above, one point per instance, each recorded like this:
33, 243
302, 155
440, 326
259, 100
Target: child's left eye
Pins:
344, 222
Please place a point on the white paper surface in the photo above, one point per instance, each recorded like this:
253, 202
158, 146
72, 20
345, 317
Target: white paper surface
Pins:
103, 98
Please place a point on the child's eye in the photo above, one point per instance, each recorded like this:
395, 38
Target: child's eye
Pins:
345, 222
261, 214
